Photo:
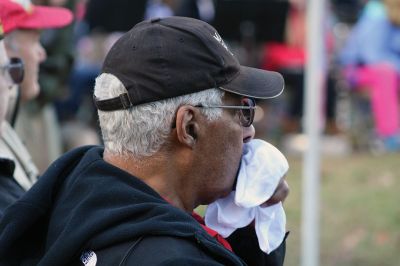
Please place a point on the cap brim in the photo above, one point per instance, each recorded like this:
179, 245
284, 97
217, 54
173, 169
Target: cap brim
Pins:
256, 83
46, 18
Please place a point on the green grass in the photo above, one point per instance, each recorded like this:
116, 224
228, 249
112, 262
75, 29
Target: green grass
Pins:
360, 211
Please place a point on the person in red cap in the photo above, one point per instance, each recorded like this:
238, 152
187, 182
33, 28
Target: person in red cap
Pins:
22, 22
11, 72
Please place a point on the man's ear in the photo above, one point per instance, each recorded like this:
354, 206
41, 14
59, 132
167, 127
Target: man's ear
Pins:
187, 125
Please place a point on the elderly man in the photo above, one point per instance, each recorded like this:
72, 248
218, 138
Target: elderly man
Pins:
22, 23
11, 72
175, 109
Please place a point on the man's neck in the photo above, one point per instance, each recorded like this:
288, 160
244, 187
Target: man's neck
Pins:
158, 172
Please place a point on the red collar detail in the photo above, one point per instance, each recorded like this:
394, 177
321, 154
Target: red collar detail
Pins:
212, 232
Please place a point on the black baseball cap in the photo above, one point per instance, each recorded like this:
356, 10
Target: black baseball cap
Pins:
169, 57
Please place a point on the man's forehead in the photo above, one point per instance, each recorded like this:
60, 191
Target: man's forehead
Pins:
25, 35
231, 97
28, 31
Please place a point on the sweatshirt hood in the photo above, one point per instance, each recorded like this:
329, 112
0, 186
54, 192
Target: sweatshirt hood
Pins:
83, 203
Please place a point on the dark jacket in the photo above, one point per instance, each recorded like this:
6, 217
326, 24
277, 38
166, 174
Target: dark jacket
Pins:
10, 190
83, 204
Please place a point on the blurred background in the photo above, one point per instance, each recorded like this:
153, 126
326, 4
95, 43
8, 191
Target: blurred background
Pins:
359, 116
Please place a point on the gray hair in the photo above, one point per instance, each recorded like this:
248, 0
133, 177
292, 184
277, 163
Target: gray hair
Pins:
143, 129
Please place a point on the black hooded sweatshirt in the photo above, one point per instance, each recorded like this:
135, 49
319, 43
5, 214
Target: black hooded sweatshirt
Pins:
82, 203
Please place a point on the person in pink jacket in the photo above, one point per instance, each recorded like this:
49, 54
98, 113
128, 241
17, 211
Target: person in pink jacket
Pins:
371, 58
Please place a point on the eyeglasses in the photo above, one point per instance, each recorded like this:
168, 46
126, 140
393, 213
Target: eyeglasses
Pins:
247, 110
15, 69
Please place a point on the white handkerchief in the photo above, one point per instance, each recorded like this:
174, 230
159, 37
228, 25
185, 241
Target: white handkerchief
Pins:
261, 169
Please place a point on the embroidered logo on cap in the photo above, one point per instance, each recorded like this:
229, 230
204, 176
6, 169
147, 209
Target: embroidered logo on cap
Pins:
219, 39
89, 258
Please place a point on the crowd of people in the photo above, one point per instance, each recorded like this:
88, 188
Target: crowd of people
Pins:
168, 112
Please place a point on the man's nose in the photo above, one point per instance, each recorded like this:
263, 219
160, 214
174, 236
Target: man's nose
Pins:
42, 54
248, 133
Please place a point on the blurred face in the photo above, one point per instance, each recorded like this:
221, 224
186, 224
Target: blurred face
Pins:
5, 84
220, 154
26, 46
